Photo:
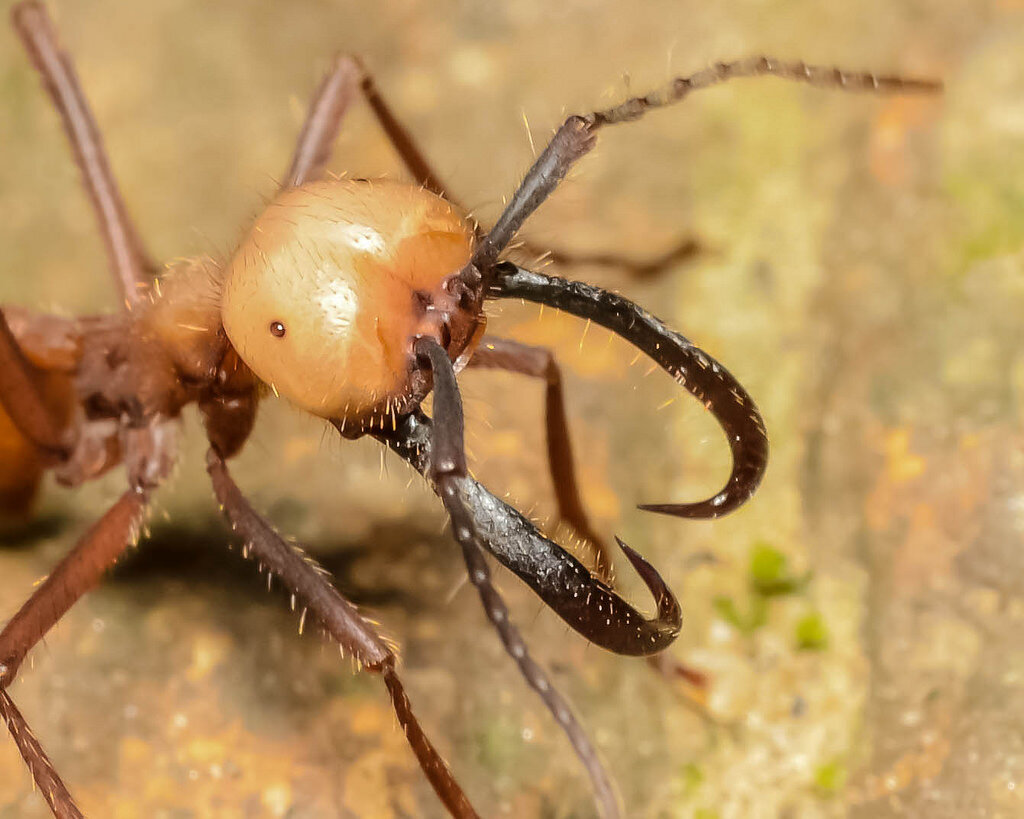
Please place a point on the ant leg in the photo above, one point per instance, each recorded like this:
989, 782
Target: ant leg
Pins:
578, 134
707, 380
681, 252
338, 617
447, 468
54, 791
323, 120
22, 396
132, 267
400, 138
75, 575
538, 362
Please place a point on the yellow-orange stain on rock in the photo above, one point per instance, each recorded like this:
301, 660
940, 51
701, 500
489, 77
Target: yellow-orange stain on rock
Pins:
367, 788
206, 750
930, 503
505, 442
299, 447
889, 148
926, 551
234, 772
899, 466
920, 765
208, 652
277, 798
581, 347
902, 465
370, 720
600, 497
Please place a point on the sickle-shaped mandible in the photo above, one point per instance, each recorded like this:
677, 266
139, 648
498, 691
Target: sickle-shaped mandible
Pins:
582, 600
707, 380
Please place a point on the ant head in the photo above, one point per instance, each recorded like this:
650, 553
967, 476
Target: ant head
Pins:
325, 297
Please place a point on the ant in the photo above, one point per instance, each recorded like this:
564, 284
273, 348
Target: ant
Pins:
354, 299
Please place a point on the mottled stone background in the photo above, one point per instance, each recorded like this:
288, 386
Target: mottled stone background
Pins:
862, 277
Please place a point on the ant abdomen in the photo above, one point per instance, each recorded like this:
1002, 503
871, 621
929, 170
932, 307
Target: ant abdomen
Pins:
325, 296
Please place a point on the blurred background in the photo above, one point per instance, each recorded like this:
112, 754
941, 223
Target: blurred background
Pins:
858, 621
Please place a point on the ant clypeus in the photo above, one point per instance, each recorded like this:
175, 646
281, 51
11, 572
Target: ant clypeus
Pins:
353, 299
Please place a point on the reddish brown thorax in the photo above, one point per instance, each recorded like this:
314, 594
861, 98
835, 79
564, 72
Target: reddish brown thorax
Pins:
325, 297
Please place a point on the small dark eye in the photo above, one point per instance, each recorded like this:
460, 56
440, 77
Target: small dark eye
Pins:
277, 329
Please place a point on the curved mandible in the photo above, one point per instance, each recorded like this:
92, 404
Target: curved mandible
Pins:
707, 380
583, 601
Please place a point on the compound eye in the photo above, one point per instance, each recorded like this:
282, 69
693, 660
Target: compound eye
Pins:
277, 329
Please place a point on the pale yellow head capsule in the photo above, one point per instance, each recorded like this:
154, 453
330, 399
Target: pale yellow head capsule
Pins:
320, 298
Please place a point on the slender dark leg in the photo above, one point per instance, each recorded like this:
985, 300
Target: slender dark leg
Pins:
402, 139
56, 794
448, 464
585, 602
338, 617
682, 251
578, 134
324, 120
79, 572
132, 268
707, 380
75, 575
538, 362
22, 396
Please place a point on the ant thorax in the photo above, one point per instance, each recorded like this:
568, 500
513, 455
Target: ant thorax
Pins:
325, 296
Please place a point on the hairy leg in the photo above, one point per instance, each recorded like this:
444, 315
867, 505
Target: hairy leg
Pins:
79, 572
75, 575
401, 139
338, 618
323, 120
56, 794
132, 268
539, 362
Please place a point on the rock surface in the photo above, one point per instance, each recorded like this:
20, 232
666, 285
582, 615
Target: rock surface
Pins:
861, 276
